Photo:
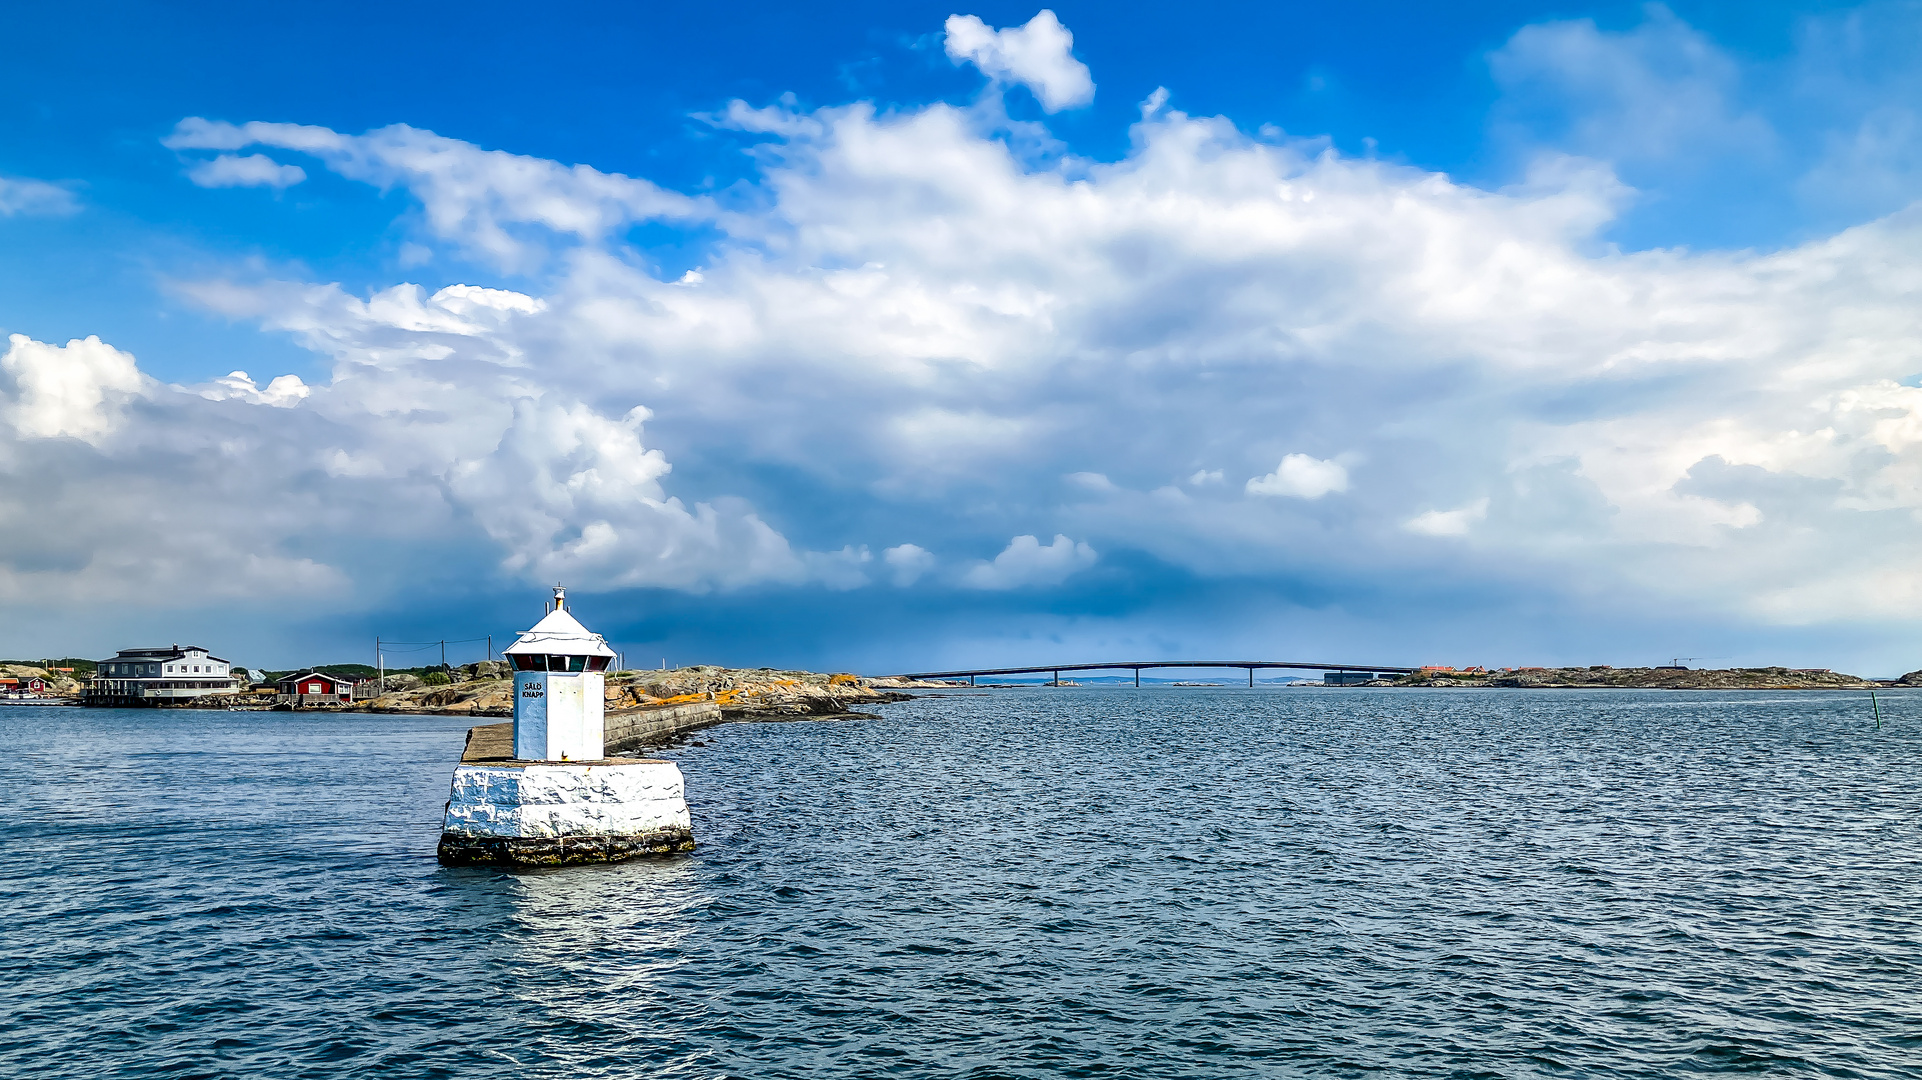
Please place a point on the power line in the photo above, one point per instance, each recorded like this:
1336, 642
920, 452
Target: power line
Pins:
382, 647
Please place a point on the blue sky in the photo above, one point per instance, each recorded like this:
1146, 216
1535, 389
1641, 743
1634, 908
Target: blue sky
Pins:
910, 336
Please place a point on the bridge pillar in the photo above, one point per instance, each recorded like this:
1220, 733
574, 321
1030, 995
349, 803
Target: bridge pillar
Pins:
1251, 676
970, 680
1137, 678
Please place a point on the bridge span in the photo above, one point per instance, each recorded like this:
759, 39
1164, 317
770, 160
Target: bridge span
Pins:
1139, 665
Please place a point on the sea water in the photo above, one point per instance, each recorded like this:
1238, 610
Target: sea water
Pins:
1164, 882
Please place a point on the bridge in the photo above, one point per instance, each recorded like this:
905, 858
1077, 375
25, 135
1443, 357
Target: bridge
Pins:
1139, 666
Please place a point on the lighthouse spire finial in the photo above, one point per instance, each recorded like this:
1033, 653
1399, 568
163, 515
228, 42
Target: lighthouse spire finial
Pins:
560, 598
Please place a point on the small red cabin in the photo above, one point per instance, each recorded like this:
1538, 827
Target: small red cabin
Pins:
316, 688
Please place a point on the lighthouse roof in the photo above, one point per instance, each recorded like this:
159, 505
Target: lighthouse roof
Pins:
560, 632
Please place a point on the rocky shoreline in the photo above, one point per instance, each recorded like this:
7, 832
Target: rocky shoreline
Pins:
59, 684
486, 689
1659, 678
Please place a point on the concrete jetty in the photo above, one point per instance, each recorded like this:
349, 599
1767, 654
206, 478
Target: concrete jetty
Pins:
542, 791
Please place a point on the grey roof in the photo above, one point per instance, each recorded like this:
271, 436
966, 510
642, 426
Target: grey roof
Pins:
170, 652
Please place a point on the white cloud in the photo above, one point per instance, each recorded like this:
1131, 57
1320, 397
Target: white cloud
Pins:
1875, 164
911, 268
905, 318
253, 170
907, 563
1301, 477
504, 207
1024, 562
19, 196
839, 570
1091, 481
571, 494
1660, 90
284, 392
1455, 522
79, 390
1038, 55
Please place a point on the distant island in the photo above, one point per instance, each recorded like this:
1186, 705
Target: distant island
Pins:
482, 689
1655, 678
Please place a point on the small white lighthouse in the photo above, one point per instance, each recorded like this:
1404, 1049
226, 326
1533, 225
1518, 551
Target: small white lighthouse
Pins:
560, 688
559, 800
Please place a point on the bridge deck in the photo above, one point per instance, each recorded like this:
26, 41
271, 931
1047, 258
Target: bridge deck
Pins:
1138, 666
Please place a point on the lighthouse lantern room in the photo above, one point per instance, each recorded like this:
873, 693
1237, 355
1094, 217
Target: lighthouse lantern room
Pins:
560, 679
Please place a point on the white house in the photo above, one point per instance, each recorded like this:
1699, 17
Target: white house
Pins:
175, 674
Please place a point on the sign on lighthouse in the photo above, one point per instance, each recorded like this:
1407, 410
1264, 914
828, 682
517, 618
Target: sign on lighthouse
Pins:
560, 683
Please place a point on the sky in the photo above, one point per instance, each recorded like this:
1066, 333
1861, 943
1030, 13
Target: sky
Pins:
903, 337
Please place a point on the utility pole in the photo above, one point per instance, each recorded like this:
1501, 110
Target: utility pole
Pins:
380, 666
490, 648
443, 654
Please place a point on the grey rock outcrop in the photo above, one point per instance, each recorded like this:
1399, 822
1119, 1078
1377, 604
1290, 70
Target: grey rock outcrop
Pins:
1770, 678
742, 694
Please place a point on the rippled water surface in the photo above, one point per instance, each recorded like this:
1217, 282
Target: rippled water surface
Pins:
1031, 883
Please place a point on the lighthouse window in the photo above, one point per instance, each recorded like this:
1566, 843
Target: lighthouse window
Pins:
527, 662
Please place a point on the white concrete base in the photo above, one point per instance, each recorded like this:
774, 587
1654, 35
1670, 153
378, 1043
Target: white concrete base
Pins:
550, 813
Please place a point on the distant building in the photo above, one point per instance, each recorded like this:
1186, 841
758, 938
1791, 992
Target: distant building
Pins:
1348, 678
169, 676
315, 688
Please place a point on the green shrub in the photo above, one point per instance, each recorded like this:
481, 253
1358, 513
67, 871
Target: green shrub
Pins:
435, 678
